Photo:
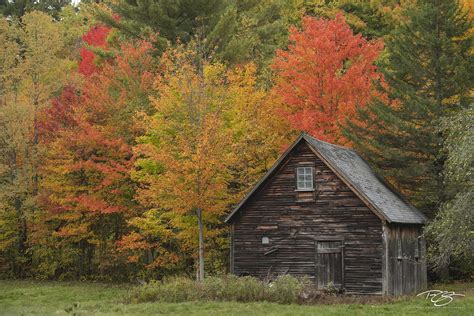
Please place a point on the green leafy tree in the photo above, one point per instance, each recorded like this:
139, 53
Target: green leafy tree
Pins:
452, 229
429, 71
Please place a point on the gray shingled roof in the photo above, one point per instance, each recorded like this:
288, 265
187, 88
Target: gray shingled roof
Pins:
354, 170
359, 174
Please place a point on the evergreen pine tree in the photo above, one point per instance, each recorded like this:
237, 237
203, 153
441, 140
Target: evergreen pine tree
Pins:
172, 20
231, 31
373, 19
429, 74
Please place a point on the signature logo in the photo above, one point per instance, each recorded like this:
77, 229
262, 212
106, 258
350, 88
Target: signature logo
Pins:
440, 298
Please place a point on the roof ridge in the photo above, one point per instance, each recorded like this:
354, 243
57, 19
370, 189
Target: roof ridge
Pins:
328, 143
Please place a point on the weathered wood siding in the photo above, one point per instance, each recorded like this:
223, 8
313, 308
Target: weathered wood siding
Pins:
406, 254
294, 223
330, 263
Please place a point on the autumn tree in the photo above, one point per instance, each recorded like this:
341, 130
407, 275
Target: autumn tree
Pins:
258, 134
186, 138
32, 71
87, 192
95, 39
213, 135
15, 127
326, 73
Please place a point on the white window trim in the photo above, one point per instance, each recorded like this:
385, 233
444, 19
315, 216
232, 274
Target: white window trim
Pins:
298, 188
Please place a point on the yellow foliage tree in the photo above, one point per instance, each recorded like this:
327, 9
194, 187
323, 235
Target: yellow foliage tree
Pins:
188, 139
31, 71
212, 136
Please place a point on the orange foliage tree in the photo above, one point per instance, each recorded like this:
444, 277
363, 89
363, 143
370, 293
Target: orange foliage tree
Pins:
324, 75
213, 134
187, 138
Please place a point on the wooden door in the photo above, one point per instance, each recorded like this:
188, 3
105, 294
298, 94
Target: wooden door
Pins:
330, 263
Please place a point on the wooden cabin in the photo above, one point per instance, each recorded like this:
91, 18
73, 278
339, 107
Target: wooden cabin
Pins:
322, 212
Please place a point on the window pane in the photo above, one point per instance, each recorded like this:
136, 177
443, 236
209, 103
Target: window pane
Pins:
304, 178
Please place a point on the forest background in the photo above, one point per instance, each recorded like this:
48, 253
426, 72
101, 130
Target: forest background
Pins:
130, 128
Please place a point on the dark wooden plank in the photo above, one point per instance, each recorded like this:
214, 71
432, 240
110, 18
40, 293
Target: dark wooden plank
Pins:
330, 263
406, 259
335, 212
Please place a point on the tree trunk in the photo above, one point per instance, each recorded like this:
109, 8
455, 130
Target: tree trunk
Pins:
201, 245
22, 237
35, 146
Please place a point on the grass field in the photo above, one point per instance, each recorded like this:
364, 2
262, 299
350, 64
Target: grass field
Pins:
56, 298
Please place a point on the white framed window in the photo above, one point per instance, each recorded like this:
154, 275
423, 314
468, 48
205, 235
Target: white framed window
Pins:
304, 178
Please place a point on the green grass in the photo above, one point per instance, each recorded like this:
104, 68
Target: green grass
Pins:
63, 298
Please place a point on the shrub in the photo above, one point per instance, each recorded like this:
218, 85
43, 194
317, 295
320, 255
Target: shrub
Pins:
330, 289
177, 289
232, 288
285, 289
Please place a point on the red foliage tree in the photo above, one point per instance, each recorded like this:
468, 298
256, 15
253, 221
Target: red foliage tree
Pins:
95, 37
59, 114
87, 192
326, 73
